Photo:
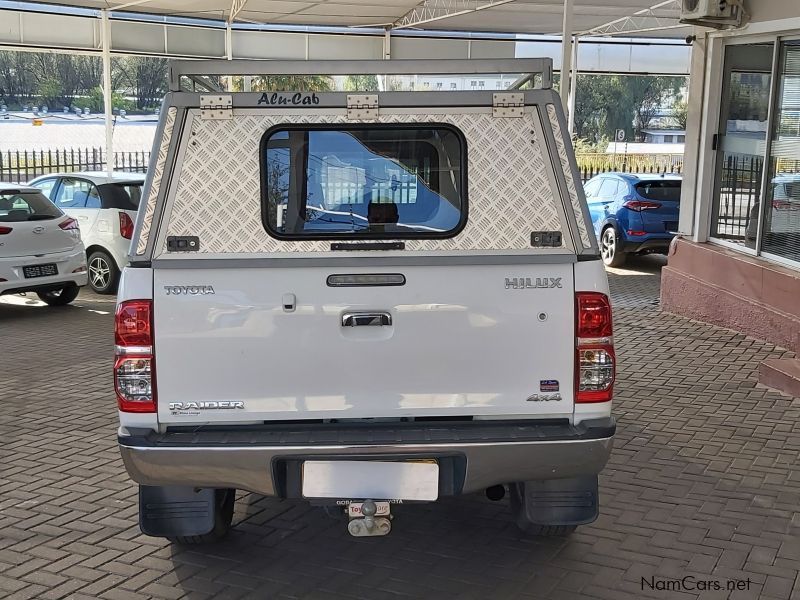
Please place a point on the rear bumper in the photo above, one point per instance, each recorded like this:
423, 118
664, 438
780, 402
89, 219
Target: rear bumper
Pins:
11, 269
648, 244
267, 459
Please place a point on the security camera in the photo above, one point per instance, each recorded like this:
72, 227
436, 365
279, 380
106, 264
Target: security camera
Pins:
690, 39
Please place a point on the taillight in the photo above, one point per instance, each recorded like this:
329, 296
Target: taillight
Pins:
125, 225
69, 225
594, 348
5, 230
640, 205
134, 364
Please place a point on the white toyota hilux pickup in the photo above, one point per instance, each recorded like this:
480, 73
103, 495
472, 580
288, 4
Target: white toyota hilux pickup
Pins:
363, 300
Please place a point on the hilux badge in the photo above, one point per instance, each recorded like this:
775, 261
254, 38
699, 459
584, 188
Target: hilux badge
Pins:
532, 283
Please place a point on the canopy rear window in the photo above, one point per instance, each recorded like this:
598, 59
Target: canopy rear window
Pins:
363, 181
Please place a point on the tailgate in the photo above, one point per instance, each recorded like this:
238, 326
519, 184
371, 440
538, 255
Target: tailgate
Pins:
270, 343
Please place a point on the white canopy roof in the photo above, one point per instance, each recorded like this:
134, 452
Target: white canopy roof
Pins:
500, 16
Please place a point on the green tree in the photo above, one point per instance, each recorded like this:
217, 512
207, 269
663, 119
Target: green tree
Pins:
680, 113
50, 91
361, 83
142, 77
286, 83
605, 103
647, 94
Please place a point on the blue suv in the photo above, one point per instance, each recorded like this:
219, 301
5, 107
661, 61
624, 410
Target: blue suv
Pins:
633, 214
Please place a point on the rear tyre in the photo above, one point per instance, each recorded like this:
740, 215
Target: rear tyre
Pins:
103, 272
224, 500
61, 296
610, 250
528, 527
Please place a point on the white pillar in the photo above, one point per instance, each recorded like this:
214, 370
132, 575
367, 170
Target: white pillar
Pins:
105, 37
573, 87
566, 52
229, 50
387, 44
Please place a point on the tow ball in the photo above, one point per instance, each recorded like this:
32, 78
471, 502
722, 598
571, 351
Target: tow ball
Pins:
369, 518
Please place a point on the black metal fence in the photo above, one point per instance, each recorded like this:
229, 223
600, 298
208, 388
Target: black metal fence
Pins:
596, 163
735, 211
20, 167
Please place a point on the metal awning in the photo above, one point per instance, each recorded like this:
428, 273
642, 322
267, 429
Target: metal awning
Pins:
570, 18
499, 16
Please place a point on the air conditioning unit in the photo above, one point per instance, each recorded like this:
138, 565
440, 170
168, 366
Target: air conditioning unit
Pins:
712, 13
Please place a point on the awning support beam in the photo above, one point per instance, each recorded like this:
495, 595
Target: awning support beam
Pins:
566, 53
573, 87
236, 7
663, 15
436, 10
105, 40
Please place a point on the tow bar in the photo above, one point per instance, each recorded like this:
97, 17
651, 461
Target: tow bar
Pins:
369, 518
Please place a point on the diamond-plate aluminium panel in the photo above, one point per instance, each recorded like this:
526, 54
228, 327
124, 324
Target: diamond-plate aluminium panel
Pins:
218, 196
155, 184
573, 193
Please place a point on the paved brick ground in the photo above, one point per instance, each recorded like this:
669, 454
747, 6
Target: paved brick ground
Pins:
704, 481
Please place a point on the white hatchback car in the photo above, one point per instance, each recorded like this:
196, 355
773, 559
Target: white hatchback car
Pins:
106, 209
40, 247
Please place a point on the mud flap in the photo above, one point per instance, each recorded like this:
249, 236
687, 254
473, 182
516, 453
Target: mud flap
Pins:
173, 511
560, 501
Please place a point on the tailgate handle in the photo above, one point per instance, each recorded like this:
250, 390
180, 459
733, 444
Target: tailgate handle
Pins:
370, 319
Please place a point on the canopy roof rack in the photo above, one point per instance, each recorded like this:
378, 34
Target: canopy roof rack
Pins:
201, 71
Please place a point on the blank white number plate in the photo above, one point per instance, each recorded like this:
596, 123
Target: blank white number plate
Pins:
345, 479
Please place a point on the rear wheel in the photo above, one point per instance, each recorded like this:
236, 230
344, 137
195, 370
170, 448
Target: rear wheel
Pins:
103, 272
224, 500
61, 296
610, 251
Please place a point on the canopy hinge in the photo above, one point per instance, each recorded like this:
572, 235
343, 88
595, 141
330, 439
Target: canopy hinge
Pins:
362, 107
216, 107
508, 104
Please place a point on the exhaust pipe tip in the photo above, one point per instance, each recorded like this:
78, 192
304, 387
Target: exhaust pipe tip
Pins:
496, 492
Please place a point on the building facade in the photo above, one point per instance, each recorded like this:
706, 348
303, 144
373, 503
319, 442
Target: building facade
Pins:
737, 260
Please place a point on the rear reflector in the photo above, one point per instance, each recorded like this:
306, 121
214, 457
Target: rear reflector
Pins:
134, 365
630, 232
595, 361
5, 230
